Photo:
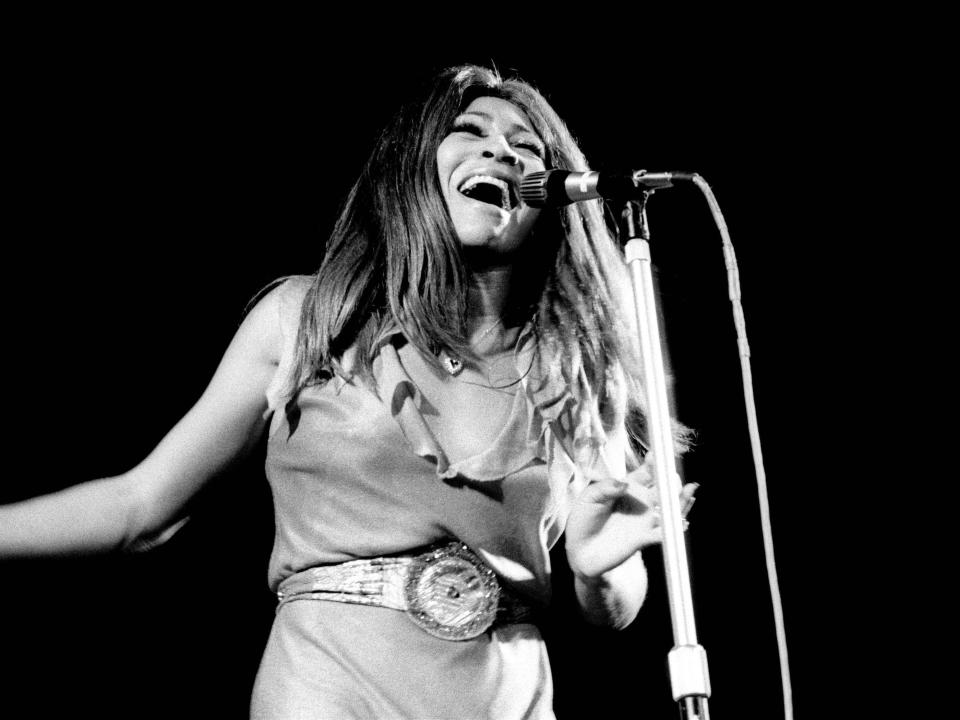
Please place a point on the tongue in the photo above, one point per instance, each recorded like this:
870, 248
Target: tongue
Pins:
486, 193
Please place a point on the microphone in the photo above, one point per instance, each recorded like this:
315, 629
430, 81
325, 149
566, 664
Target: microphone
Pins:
554, 188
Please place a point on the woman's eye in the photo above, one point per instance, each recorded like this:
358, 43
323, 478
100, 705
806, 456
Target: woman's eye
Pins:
468, 128
531, 147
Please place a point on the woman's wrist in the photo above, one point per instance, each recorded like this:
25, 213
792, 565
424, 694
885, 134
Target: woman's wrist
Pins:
614, 597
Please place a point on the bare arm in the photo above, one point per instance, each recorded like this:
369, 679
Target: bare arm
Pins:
145, 502
609, 524
613, 598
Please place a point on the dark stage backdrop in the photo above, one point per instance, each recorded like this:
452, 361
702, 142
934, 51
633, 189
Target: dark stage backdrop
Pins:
161, 186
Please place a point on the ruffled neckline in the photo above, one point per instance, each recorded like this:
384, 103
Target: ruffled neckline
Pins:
522, 441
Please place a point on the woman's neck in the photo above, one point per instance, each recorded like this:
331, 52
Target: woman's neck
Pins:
488, 292
488, 305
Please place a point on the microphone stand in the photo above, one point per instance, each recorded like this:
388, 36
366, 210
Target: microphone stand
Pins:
687, 661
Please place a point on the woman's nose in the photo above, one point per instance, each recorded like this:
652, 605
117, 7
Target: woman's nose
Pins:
500, 149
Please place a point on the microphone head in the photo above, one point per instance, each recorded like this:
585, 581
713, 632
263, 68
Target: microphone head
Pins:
533, 189
545, 189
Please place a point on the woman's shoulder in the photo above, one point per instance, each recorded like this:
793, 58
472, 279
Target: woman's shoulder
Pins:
281, 301
289, 289
272, 318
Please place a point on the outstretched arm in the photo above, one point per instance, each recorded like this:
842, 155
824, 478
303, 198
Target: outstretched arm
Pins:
145, 503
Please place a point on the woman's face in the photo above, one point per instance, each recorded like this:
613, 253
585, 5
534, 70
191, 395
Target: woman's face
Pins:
480, 165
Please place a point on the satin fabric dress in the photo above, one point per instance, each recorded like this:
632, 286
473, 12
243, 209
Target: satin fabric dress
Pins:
356, 472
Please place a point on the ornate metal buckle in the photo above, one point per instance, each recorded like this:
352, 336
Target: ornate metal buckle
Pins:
451, 593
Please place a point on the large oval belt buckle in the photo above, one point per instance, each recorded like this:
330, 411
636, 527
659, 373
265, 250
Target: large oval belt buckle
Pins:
451, 593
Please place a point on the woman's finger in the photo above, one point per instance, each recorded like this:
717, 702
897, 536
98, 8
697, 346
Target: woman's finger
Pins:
686, 498
604, 491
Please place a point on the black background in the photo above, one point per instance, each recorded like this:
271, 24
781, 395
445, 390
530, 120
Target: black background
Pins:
163, 178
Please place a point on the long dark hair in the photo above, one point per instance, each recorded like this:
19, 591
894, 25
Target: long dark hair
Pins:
393, 260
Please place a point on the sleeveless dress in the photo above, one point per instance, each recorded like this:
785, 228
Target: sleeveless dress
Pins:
356, 472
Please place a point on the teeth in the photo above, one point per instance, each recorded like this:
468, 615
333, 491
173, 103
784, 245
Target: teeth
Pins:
504, 188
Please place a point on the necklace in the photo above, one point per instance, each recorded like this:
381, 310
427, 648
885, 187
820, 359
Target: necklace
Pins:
452, 363
498, 321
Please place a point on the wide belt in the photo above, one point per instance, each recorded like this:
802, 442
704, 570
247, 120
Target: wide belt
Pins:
448, 590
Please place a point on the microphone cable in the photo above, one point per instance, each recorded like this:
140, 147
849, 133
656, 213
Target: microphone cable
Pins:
739, 321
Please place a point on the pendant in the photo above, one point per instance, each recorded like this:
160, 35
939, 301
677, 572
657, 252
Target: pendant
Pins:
453, 364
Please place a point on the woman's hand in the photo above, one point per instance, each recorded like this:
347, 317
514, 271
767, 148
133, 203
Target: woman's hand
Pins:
612, 520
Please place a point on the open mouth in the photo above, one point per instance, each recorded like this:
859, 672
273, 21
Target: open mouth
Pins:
490, 190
